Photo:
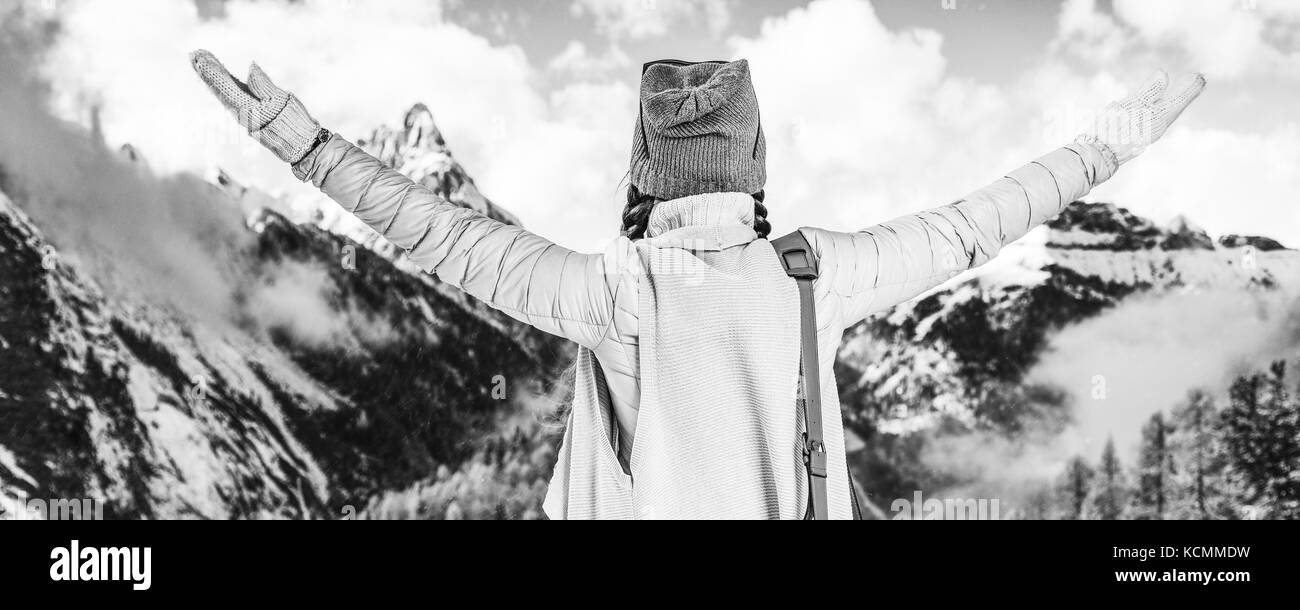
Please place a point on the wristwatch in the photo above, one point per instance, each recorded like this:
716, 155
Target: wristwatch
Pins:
322, 136
300, 166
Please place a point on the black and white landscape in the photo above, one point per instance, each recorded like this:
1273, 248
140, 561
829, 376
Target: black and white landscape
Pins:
197, 344
325, 377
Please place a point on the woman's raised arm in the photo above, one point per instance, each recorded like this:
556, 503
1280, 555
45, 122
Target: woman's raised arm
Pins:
523, 275
879, 267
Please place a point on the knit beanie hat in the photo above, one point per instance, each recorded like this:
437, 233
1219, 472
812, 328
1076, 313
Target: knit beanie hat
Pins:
698, 131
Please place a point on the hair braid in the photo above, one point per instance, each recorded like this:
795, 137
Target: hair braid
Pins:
636, 214
761, 226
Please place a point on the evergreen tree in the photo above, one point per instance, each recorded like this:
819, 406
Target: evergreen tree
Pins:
1155, 471
1261, 428
1109, 494
1285, 411
1200, 488
1242, 429
1072, 491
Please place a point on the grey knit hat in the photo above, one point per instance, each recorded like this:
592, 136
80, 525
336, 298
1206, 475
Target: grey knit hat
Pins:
698, 131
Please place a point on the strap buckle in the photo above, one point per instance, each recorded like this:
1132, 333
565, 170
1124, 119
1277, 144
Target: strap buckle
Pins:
814, 453
799, 264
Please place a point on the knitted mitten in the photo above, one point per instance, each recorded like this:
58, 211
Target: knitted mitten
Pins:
1125, 128
272, 115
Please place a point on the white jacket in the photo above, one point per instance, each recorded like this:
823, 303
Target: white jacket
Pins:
594, 299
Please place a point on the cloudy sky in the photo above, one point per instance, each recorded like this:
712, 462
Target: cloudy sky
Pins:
872, 109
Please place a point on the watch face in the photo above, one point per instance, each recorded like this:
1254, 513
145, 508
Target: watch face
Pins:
322, 137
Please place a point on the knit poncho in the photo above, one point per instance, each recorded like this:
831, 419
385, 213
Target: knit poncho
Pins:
718, 432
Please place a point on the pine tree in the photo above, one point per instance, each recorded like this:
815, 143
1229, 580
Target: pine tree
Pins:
1242, 430
1109, 493
1072, 491
1155, 471
1261, 428
1285, 411
1200, 488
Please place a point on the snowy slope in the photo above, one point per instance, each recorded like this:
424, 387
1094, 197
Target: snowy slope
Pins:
324, 386
959, 354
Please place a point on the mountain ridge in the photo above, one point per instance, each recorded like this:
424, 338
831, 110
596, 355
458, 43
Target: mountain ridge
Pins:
335, 375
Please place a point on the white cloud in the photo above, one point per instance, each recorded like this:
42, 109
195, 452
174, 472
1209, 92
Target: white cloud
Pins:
1085, 31
355, 66
1227, 182
576, 61
1225, 39
302, 300
1220, 35
639, 19
323, 51
867, 123
568, 167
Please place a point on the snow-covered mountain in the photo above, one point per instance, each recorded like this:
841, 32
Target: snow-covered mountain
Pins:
335, 377
957, 360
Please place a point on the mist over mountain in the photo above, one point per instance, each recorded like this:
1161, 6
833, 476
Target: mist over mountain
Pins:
989, 385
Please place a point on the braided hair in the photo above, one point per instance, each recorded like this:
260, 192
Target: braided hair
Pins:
636, 214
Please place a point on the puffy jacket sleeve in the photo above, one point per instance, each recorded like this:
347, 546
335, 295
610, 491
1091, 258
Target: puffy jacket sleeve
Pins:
525, 276
879, 267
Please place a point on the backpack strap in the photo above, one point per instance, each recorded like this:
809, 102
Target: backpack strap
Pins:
800, 262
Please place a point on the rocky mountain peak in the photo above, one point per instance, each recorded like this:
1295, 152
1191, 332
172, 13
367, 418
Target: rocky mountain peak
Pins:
1263, 244
421, 131
419, 150
1106, 226
1182, 234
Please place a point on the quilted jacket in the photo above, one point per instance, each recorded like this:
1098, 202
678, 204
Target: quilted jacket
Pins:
592, 298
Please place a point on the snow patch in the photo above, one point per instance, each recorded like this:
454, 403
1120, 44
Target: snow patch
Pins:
10, 462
